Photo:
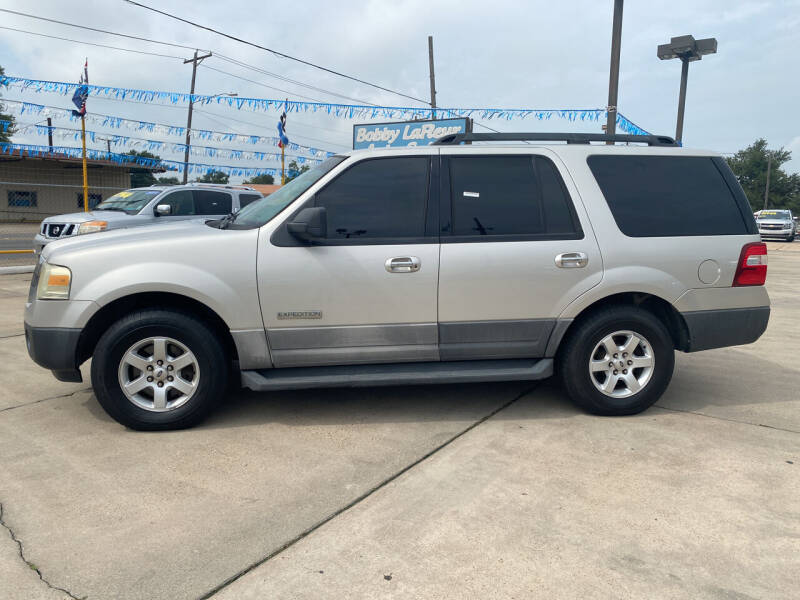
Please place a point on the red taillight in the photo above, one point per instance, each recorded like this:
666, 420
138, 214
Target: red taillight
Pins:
752, 267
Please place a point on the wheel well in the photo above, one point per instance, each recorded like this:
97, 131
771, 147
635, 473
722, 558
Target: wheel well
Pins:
113, 311
663, 310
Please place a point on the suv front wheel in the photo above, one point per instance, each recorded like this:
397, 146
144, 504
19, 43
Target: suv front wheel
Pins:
618, 361
159, 369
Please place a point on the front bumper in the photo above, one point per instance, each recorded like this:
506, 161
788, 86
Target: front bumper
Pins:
776, 232
55, 348
725, 327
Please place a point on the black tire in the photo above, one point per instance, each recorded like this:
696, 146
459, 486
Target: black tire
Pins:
577, 351
212, 375
790, 238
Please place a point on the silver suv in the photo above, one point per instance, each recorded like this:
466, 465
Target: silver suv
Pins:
437, 264
776, 223
146, 206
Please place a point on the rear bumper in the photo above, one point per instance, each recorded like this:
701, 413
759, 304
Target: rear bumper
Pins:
725, 327
55, 348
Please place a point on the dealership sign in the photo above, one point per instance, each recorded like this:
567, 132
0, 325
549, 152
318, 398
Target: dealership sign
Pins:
407, 133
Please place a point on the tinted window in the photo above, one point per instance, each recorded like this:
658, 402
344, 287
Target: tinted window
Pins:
657, 196
508, 195
181, 203
380, 198
207, 202
245, 199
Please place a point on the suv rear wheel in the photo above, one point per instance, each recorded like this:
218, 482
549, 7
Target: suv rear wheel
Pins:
618, 361
159, 369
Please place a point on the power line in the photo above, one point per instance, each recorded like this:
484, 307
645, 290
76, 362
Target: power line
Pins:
275, 52
133, 37
151, 41
55, 37
289, 80
261, 84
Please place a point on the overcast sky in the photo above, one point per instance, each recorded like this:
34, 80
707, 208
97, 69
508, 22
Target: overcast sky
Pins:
520, 54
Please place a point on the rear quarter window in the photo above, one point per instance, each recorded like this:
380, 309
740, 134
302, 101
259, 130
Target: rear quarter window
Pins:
661, 196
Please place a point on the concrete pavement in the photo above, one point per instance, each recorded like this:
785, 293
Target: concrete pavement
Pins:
413, 492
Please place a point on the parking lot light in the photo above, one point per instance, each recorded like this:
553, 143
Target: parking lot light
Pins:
688, 50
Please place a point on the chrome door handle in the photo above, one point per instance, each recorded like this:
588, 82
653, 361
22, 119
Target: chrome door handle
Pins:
572, 260
403, 264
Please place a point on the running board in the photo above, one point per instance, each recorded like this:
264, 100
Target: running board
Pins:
397, 374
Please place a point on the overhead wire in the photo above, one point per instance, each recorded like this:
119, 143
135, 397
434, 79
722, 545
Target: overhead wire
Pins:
152, 41
275, 52
55, 37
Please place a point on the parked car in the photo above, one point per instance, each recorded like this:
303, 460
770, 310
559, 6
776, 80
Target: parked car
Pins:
777, 223
436, 264
146, 206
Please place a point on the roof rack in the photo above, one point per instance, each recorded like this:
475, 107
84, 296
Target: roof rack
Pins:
221, 185
570, 138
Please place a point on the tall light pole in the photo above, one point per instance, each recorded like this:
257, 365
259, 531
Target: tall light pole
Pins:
688, 50
613, 76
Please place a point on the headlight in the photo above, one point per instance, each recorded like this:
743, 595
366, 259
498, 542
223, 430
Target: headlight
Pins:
54, 282
92, 227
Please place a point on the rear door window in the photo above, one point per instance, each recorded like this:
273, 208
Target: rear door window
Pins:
516, 197
662, 196
209, 202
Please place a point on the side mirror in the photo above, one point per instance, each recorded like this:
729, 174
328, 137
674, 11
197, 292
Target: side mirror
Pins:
162, 210
309, 224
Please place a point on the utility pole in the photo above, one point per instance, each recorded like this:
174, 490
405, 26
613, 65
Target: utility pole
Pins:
50, 133
108, 143
433, 77
766, 189
613, 78
195, 61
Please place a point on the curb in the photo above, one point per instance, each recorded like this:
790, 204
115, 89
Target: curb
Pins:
17, 269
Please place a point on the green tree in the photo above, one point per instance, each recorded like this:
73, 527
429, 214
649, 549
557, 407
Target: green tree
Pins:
213, 177
5, 135
294, 170
142, 177
750, 167
168, 181
260, 179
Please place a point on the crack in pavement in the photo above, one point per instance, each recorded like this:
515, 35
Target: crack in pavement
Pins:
28, 563
88, 389
5, 337
699, 414
362, 497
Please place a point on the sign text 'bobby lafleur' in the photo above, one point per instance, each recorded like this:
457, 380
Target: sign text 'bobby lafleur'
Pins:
413, 133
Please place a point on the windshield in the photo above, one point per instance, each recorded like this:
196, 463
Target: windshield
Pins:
262, 211
774, 214
130, 201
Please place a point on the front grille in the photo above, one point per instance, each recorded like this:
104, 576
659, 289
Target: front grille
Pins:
57, 230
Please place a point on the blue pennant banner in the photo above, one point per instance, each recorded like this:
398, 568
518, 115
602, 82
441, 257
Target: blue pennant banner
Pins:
345, 111
28, 108
64, 133
126, 159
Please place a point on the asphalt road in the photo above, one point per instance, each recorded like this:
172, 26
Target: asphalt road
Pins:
17, 236
495, 490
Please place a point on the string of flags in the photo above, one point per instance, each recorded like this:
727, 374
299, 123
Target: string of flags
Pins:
346, 111
127, 159
65, 133
19, 108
